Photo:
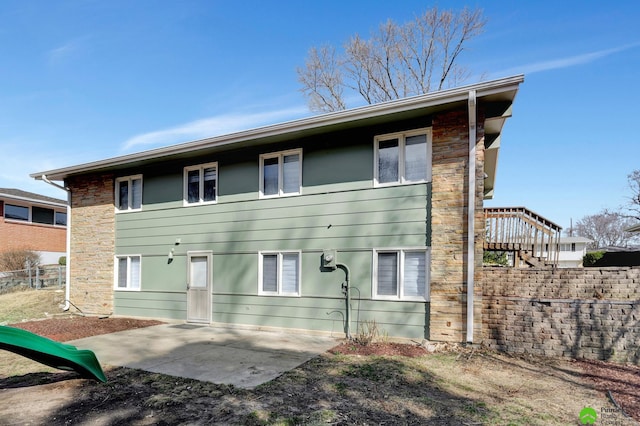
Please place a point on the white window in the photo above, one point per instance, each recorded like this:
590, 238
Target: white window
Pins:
401, 274
127, 273
281, 173
568, 247
201, 184
403, 157
129, 193
279, 273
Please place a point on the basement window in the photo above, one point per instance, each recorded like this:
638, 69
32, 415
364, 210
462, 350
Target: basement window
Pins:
127, 273
401, 274
279, 274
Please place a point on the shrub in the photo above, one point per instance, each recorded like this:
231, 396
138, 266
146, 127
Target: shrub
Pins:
592, 258
495, 258
16, 260
367, 333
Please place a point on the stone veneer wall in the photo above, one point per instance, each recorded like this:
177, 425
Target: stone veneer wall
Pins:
449, 227
589, 313
92, 243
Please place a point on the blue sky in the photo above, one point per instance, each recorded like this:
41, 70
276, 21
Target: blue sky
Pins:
86, 80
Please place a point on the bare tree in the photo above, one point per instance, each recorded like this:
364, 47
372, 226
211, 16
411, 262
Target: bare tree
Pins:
395, 62
606, 229
632, 208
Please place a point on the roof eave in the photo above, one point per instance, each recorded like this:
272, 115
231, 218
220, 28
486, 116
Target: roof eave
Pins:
433, 99
31, 200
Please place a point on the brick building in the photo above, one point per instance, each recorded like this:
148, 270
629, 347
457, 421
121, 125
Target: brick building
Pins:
34, 222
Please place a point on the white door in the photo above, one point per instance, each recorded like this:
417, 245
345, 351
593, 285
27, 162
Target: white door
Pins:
199, 287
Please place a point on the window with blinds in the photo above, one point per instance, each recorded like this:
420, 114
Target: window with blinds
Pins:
128, 273
279, 274
402, 158
201, 184
401, 274
281, 173
129, 193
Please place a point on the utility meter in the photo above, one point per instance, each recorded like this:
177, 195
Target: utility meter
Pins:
329, 259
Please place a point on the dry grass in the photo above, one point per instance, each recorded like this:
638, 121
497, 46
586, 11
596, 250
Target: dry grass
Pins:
25, 305
448, 388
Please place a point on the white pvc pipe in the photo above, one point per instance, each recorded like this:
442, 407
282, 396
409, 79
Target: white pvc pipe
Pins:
471, 214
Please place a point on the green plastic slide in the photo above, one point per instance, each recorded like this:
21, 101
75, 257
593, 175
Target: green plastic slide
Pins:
51, 353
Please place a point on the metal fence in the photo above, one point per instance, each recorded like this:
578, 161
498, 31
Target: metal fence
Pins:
36, 277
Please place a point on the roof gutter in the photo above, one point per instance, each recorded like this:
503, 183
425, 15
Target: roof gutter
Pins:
459, 94
471, 246
67, 291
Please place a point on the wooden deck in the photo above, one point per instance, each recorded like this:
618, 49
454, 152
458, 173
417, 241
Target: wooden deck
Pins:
519, 230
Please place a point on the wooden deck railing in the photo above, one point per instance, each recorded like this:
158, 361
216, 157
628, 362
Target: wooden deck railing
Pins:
518, 229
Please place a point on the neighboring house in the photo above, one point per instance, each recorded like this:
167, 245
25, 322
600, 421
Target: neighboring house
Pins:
245, 228
571, 251
33, 222
635, 228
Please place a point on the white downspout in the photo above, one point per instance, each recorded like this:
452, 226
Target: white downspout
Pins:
471, 254
67, 292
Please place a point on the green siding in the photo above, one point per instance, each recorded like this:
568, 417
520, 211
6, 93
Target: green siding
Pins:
405, 319
339, 209
151, 304
380, 217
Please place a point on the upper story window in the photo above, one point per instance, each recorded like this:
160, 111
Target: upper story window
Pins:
35, 214
401, 274
129, 193
281, 173
403, 157
201, 184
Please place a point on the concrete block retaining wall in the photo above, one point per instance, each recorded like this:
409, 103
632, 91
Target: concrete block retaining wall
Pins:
591, 313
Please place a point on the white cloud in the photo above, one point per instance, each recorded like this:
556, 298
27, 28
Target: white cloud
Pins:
566, 62
62, 52
209, 127
17, 163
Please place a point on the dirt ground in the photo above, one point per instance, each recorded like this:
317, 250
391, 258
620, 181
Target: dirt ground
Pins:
384, 383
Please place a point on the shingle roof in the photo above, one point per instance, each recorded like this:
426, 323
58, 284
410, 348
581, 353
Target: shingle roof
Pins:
18, 194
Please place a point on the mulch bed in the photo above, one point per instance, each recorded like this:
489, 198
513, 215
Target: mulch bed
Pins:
621, 381
72, 328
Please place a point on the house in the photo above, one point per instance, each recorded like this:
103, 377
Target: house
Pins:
571, 251
33, 222
318, 224
635, 228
